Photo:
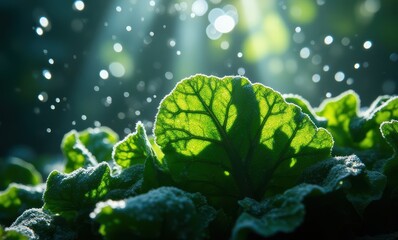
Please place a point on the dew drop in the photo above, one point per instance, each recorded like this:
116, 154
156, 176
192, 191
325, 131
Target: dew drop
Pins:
84, 117
240, 54
339, 76
97, 124
104, 74
51, 61
168, 75
328, 40
78, 5
128, 28
316, 78
356, 65
44, 22
46, 74
43, 97
117, 47
241, 71
199, 7
367, 44
48, 130
305, 53
224, 45
39, 31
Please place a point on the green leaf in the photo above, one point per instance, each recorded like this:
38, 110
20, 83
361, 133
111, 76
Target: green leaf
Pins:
18, 171
306, 108
11, 235
67, 194
281, 213
389, 131
365, 129
163, 213
350, 174
134, 149
87, 148
339, 112
35, 224
71, 195
16, 199
228, 138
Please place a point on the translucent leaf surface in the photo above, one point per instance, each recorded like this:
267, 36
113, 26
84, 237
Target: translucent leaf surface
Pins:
66, 194
16, 199
134, 149
390, 167
79, 191
228, 138
163, 213
87, 148
339, 112
306, 108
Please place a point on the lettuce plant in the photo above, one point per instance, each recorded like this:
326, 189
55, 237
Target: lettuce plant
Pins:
228, 159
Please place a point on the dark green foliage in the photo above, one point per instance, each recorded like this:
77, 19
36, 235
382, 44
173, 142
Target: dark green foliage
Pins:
228, 160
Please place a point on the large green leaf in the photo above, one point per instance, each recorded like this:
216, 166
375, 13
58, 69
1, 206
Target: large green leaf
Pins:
88, 147
228, 138
16, 199
18, 171
163, 213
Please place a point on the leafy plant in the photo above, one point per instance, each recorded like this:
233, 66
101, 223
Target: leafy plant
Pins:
228, 159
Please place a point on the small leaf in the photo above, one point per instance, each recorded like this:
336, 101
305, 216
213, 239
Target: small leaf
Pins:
36, 224
348, 173
389, 131
279, 214
87, 148
306, 108
163, 213
15, 170
366, 128
67, 194
339, 112
134, 149
228, 138
72, 194
16, 199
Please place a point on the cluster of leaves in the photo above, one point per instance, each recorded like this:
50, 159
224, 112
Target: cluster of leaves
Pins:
228, 160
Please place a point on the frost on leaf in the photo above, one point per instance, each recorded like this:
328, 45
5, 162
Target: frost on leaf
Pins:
87, 148
163, 213
229, 138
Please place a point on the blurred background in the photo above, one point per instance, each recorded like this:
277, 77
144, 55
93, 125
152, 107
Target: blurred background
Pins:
76, 64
